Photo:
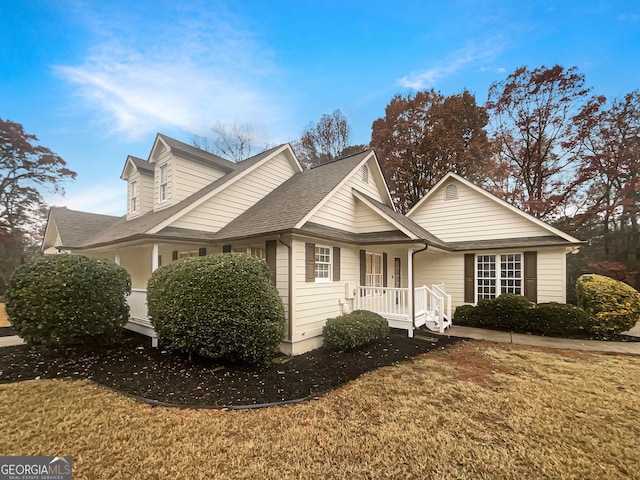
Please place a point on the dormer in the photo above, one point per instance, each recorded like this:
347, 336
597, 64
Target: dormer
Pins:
179, 170
139, 175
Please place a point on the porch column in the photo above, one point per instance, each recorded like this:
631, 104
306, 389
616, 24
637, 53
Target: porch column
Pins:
410, 306
154, 257
116, 259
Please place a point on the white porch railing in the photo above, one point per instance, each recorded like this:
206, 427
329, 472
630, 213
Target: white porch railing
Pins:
391, 303
432, 306
137, 301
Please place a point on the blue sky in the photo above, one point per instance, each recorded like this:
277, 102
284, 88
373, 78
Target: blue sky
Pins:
96, 80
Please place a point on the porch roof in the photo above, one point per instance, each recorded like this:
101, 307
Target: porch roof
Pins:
520, 242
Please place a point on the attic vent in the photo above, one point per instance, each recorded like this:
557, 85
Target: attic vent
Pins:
451, 192
365, 174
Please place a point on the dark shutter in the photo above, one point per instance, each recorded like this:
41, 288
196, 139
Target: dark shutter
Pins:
202, 251
469, 277
531, 276
336, 264
159, 260
226, 249
384, 270
270, 250
174, 255
310, 262
363, 268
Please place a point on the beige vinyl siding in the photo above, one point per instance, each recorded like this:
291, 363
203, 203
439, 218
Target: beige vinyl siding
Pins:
472, 216
552, 286
165, 158
342, 209
145, 193
443, 268
134, 176
145, 196
449, 269
190, 176
223, 207
282, 280
316, 302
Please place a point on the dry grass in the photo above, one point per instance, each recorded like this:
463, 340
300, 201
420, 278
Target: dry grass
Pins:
477, 410
4, 321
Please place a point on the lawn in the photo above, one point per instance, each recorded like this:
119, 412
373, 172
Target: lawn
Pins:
4, 321
474, 410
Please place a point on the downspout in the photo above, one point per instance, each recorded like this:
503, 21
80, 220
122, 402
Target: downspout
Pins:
290, 285
413, 286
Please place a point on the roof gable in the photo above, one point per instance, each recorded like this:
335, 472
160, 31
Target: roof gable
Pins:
476, 215
163, 143
138, 164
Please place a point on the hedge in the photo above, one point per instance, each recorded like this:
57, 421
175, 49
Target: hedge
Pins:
66, 299
354, 330
220, 306
612, 305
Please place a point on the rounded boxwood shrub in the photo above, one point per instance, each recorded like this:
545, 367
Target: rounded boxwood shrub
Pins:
612, 306
218, 306
558, 319
354, 330
508, 311
64, 299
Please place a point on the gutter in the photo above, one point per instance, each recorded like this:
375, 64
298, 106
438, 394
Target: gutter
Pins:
413, 288
290, 286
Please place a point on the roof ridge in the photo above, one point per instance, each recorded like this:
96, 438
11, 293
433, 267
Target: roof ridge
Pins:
335, 160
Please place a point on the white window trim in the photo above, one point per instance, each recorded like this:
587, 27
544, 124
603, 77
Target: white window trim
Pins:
330, 263
251, 250
133, 201
369, 277
499, 274
163, 192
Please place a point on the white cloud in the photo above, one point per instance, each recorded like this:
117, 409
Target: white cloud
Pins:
194, 73
105, 198
472, 54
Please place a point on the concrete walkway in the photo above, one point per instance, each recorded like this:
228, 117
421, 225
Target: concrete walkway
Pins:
10, 341
632, 348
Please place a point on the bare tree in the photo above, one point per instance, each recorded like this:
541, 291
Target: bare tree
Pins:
323, 141
236, 143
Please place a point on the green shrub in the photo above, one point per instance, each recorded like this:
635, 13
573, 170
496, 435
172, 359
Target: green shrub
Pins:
63, 299
464, 315
612, 306
354, 330
557, 319
218, 306
508, 311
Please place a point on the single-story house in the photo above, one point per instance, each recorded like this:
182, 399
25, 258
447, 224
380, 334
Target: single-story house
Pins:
330, 235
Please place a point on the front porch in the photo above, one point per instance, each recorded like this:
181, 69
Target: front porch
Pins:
431, 306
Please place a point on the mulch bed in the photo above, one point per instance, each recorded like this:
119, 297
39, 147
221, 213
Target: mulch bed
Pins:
133, 367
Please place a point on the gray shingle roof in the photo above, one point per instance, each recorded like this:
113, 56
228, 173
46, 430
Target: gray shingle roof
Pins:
76, 228
288, 204
408, 224
142, 165
189, 151
548, 240
128, 228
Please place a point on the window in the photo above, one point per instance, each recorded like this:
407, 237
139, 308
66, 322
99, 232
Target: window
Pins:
192, 253
164, 182
323, 264
498, 274
134, 197
365, 174
373, 272
259, 252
